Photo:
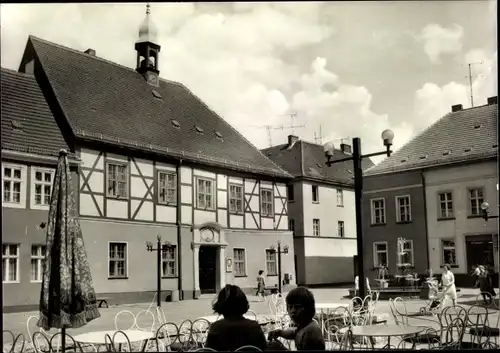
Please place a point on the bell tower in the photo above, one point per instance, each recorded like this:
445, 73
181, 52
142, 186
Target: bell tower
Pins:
147, 50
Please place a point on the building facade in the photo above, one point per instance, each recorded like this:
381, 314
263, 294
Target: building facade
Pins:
321, 211
149, 158
431, 191
458, 235
393, 207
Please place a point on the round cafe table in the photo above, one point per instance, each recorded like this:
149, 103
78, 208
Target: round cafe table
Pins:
99, 337
388, 331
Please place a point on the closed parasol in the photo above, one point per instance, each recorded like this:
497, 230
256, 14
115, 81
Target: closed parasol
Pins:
68, 297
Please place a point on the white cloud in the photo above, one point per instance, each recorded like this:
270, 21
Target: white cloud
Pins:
439, 40
433, 101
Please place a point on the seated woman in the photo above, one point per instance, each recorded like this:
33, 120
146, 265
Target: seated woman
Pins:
301, 308
234, 330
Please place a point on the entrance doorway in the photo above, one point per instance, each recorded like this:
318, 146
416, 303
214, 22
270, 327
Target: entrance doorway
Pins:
207, 269
479, 251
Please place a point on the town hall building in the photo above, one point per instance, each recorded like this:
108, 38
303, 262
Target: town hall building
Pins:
148, 158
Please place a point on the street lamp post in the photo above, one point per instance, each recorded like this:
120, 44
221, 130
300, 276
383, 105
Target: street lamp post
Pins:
357, 157
159, 248
277, 250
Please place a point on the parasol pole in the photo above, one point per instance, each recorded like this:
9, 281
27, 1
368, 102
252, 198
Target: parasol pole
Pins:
63, 339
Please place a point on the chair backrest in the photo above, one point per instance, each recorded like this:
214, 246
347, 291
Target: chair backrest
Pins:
248, 349
166, 335
204, 349
67, 337
18, 342
251, 315
122, 336
122, 314
41, 343
145, 320
455, 332
199, 330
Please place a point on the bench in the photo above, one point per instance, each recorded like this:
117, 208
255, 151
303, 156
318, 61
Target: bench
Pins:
101, 301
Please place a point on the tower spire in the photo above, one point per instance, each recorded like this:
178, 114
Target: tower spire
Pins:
148, 8
148, 49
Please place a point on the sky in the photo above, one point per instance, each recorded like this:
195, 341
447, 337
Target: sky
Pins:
347, 69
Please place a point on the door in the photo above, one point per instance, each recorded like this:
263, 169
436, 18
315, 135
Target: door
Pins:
479, 253
207, 262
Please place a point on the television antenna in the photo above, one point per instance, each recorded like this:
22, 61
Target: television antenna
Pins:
269, 129
470, 81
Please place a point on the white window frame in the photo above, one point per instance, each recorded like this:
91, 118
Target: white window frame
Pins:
373, 209
38, 258
211, 194
340, 198
125, 276
376, 252
33, 183
6, 264
108, 181
449, 214
407, 207
234, 197
164, 260
23, 180
479, 200
443, 248
316, 227
244, 262
341, 229
273, 260
263, 203
410, 250
165, 200
317, 193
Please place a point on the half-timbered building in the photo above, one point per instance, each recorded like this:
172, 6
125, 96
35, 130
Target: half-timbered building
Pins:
150, 159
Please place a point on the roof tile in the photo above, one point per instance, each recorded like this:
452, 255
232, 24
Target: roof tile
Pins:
109, 102
458, 136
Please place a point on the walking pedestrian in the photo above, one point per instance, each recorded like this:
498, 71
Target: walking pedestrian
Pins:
261, 285
448, 283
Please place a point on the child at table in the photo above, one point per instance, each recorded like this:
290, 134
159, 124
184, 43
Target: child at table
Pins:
234, 330
301, 308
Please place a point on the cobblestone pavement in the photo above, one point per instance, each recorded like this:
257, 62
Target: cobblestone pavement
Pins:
192, 309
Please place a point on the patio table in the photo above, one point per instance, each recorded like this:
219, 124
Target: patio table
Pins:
262, 320
388, 331
99, 337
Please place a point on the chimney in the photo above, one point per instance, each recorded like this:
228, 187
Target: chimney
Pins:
291, 140
90, 51
493, 100
456, 108
346, 148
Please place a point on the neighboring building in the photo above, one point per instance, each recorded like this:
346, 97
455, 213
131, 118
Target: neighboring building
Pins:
150, 159
447, 172
321, 211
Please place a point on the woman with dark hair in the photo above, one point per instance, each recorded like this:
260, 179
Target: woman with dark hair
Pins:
261, 285
234, 330
301, 308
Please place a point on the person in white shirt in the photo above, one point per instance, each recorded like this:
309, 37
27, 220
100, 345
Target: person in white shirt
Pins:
448, 283
356, 285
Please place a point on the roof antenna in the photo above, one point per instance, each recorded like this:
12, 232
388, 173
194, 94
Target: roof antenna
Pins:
470, 82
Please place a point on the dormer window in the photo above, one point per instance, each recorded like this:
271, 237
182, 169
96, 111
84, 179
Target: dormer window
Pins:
404, 160
446, 153
423, 157
176, 124
156, 94
468, 149
17, 125
219, 135
198, 129
477, 125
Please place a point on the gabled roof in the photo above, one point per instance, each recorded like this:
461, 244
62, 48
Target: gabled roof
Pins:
464, 135
305, 159
27, 122
106, 102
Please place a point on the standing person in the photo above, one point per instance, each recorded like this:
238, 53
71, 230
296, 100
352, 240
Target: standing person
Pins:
448, 282
307, 334
476, 274
234, 330
486, 285
261, 285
